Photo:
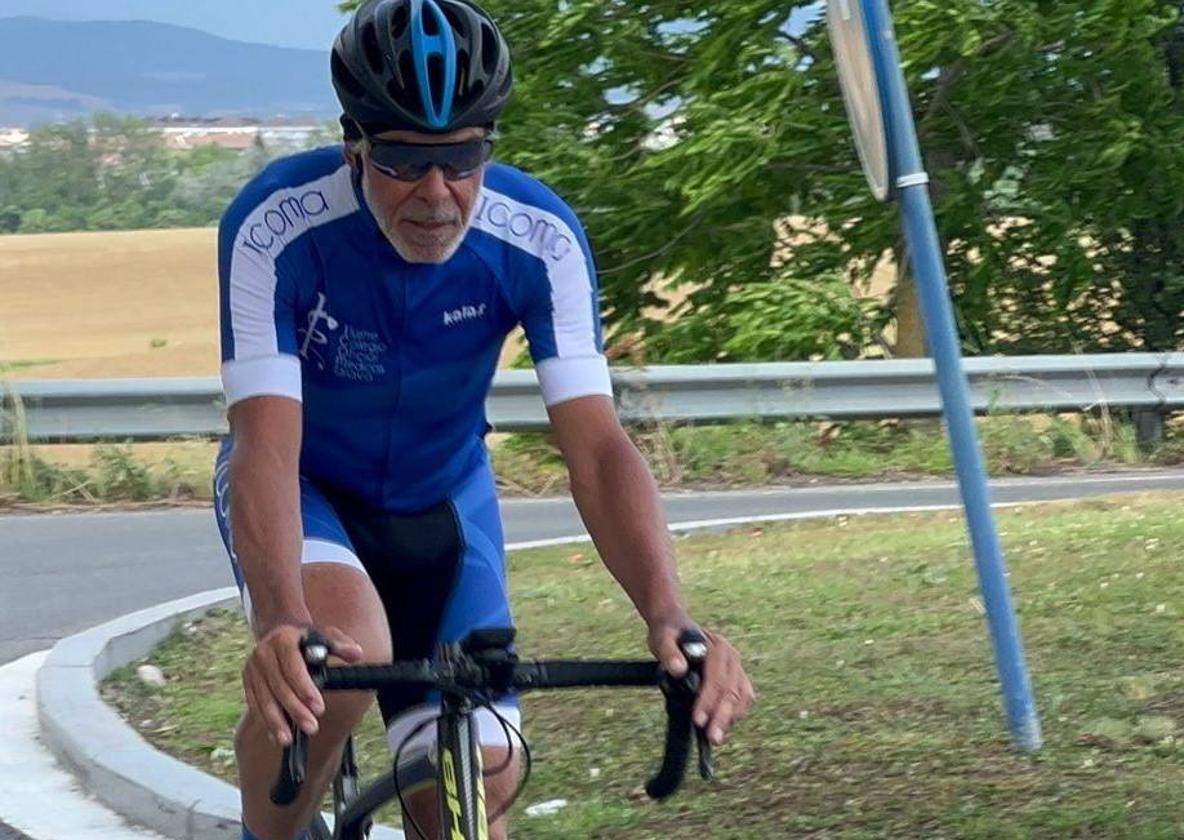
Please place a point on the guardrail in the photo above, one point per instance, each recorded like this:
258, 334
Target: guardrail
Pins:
1148, 385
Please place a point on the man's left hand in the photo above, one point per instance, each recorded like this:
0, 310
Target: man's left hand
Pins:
726, 694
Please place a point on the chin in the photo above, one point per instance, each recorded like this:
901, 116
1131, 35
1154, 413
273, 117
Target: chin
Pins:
415, 253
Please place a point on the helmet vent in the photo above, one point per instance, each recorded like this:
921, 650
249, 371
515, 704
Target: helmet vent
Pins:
371, 49
489, 50
345, 78
431, 26
454, 18
401, 90
399, 22
462, 72
436, 77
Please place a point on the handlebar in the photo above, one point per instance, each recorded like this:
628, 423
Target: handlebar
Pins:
483, 665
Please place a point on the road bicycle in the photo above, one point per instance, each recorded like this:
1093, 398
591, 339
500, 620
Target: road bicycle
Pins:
468, 675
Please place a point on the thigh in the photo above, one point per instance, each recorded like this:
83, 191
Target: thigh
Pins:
337, 589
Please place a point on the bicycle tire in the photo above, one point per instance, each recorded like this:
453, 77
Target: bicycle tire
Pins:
319, 830
373, 796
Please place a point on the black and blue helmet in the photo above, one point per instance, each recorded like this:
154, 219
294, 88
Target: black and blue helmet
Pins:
421, 65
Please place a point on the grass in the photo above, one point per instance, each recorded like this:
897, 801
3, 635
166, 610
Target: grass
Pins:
740, 455
747, 454
878, 712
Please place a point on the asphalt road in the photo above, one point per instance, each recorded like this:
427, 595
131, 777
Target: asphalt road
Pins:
65, 573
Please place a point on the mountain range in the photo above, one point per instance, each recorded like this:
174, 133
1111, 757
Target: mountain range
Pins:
58, 70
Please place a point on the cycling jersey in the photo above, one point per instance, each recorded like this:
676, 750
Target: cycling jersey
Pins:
393, 360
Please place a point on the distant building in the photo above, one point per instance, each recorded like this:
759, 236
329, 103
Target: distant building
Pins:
13, 138
237, 135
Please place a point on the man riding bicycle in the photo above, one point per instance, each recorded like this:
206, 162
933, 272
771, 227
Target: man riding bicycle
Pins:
366, 293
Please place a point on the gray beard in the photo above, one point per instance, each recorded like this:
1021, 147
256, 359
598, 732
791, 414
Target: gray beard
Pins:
405, 249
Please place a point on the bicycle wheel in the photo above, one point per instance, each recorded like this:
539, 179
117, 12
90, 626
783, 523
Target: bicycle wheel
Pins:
319, 830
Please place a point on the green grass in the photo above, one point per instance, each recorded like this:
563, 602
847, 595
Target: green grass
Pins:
878, 713
745, 454
24, 364
737, 455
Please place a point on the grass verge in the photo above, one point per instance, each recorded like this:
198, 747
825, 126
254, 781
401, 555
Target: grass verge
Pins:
878, 712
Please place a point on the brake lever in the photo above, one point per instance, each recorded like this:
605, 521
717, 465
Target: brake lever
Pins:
694, 647
314, 648
680, 701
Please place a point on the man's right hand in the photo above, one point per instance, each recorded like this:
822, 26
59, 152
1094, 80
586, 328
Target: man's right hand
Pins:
276, 680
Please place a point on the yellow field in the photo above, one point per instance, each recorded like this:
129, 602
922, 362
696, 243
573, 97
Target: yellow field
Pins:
92, 305
106, 305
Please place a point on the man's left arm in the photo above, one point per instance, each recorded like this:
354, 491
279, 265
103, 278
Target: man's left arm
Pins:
619, 501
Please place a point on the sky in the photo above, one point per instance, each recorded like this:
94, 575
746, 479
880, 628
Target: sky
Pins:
289, 23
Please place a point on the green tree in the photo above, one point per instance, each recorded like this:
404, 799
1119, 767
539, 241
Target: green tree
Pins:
698, 139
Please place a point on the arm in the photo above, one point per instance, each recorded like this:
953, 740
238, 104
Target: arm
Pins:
619, 501
265, 508
262, 381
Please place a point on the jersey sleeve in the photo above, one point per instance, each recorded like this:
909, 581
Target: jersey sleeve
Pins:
258, 303
561, 312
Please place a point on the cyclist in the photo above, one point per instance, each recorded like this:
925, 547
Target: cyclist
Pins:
366, 292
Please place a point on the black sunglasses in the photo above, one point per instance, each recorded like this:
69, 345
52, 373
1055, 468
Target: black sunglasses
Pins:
412, 161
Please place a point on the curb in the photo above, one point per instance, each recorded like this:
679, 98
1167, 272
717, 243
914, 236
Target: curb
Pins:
109, 758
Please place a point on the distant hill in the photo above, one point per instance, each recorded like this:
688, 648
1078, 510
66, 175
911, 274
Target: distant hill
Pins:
55, 70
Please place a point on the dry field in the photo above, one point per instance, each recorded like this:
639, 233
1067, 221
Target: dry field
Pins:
110, 305
99, 305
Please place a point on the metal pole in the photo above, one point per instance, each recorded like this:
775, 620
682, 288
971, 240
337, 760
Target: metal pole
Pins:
929, 270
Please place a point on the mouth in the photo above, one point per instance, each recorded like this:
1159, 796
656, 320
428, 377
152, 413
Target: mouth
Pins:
429, 227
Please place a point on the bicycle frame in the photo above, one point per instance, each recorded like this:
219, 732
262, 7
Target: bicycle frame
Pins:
459, 783
460, 786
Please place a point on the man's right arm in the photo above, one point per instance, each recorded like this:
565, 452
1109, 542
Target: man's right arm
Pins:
265, 508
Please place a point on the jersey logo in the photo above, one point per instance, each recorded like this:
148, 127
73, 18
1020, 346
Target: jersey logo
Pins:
358, 354
461, 314
538, 231
313, 334
283, 221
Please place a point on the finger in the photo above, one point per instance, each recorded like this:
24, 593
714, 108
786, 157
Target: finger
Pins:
295, 675
279, 728
716, 680
669, 654
283, 694
342, 646
724, 716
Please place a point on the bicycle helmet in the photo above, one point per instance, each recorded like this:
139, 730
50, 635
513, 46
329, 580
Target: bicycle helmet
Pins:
421, 65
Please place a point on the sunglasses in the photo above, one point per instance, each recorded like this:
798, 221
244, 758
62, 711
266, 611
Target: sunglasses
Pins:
412, 161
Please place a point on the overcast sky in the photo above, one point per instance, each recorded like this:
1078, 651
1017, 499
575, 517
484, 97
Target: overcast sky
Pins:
289, 23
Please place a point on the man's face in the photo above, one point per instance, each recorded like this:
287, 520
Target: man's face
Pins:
424, 220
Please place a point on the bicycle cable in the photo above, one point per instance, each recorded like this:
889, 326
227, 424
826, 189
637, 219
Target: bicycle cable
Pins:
424, 724
512, 733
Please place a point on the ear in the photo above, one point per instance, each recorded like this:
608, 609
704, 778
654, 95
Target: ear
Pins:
353, 156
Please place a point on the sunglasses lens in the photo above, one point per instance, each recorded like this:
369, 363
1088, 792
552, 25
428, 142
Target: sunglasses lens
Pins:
412, 161
402, 171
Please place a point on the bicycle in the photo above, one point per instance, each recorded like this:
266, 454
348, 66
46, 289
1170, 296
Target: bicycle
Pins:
467, 675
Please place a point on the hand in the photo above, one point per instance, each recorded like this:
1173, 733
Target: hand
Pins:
726, 694
276, 680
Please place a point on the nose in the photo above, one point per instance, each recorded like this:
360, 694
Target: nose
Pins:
433, 185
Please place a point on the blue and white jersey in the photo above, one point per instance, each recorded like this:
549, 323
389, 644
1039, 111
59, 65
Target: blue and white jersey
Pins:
393, 360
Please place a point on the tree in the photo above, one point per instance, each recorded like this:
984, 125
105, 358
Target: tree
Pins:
698, 139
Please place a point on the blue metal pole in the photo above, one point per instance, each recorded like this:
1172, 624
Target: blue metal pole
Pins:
929, 270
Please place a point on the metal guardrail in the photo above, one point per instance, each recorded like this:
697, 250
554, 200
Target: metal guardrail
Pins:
1147, 384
